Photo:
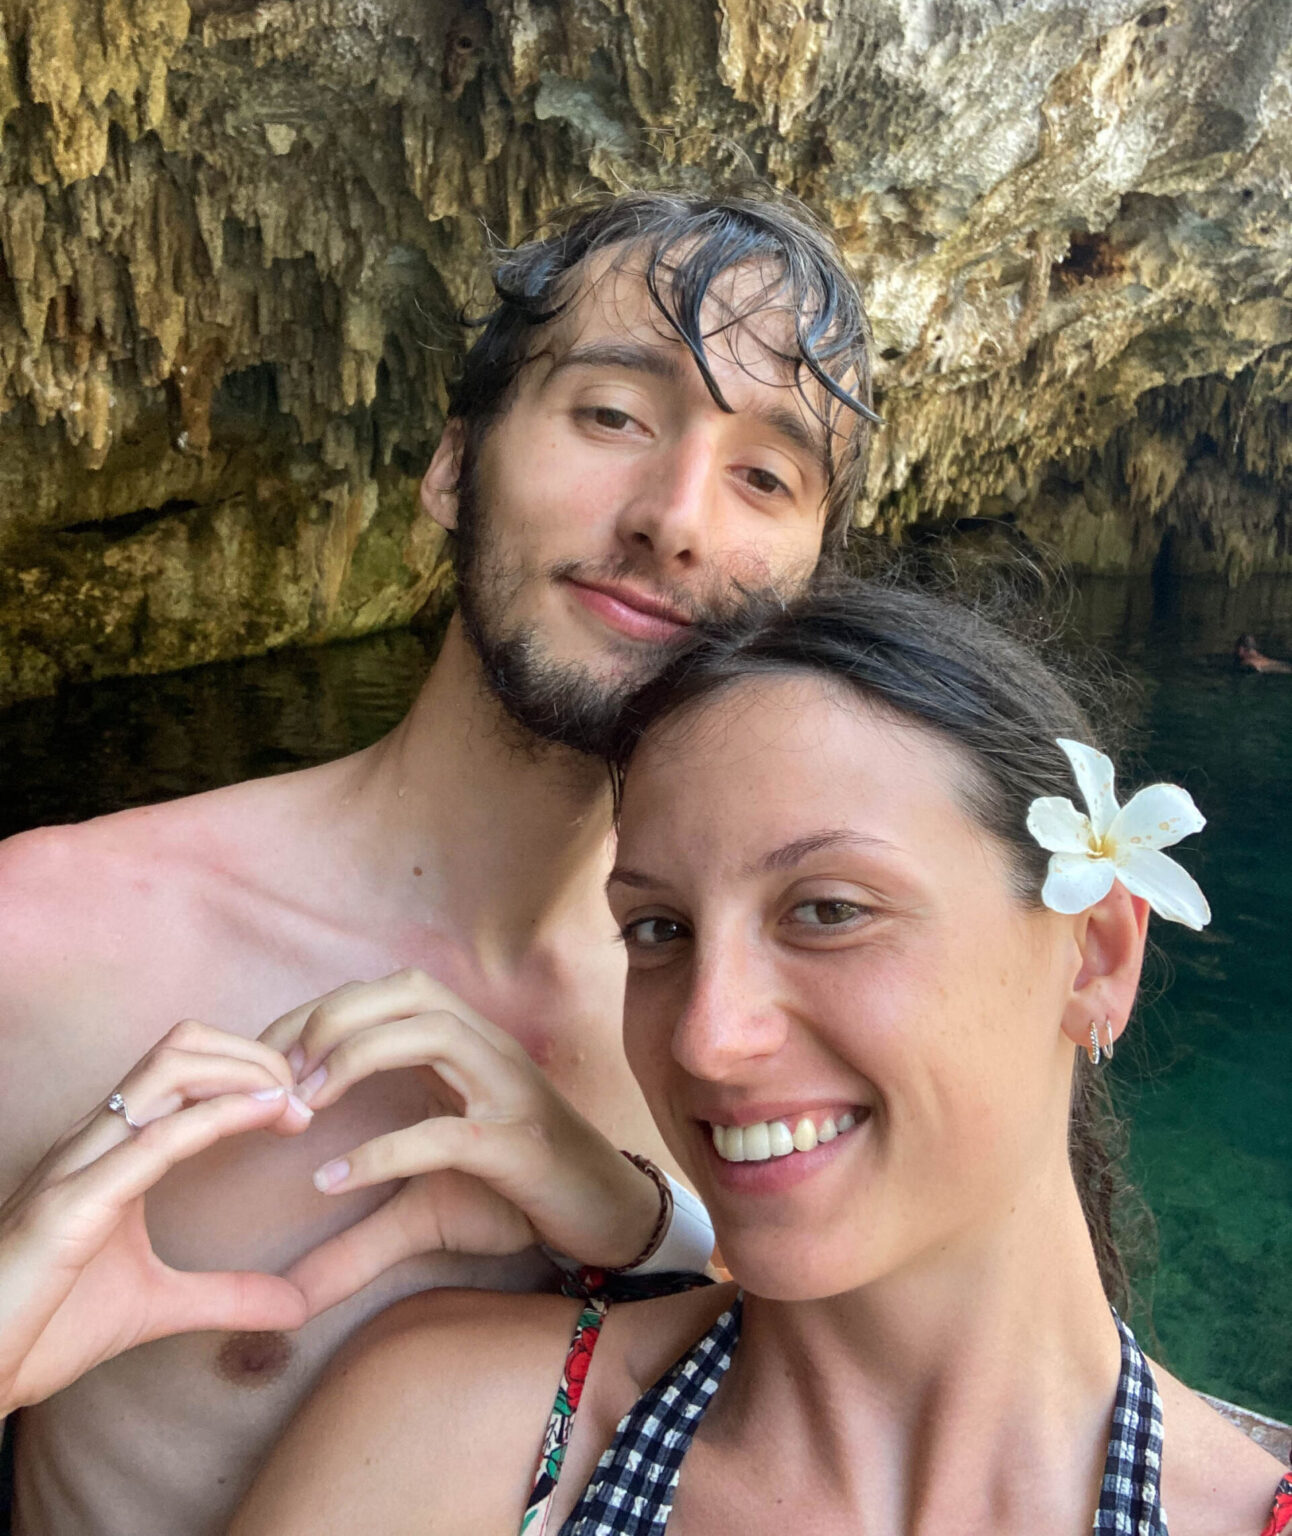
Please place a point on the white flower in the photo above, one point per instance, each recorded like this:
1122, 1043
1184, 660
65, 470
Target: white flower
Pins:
1089, 852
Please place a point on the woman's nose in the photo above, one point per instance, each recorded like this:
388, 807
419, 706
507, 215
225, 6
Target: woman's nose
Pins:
731, 1018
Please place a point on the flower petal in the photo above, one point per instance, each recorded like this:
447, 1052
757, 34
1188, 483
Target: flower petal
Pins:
1094, 774
1076, 881
1156, 817
1168, 887
1058, 825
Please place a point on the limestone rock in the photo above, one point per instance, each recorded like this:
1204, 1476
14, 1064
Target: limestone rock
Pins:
234, 238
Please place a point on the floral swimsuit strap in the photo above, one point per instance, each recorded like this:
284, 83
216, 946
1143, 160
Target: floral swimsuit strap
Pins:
560, 1422
631, 1492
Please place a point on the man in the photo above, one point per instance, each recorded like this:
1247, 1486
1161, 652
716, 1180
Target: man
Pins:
667, 408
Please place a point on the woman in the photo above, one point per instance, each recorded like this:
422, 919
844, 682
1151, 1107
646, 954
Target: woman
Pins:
875, 955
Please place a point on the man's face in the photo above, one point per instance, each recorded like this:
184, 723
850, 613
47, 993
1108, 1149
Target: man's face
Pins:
614, 502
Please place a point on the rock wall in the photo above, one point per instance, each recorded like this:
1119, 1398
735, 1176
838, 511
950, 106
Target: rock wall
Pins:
234, 237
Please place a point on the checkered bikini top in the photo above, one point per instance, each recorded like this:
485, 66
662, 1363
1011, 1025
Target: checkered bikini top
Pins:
635, 1483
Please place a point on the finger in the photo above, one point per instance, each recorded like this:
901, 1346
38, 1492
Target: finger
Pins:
401, 996
193, 1035
489, 1082
158, 1088
502, 1155
456, 1214
240, 1301
170, 1077
130, 1168
190, 1036
352, 1259
285, 1031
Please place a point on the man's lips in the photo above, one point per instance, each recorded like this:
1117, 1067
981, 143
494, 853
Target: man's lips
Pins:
631, 612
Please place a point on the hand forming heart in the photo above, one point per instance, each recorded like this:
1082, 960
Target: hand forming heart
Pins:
79, 1281
516, 1165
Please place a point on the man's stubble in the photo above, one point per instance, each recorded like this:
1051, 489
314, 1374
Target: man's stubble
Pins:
561, 703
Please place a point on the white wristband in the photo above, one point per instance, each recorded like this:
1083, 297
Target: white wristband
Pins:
685, 1248
688, 1244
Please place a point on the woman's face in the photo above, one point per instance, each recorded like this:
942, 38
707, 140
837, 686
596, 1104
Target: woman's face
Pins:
821, 940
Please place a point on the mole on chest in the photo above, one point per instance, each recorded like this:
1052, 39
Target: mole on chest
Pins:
253, 1359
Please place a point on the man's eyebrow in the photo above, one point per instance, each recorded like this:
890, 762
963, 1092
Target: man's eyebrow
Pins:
789, 424
783, 858
666, 363
634, 356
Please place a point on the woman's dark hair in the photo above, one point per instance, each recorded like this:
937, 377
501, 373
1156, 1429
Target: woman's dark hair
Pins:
940, 663
682, 244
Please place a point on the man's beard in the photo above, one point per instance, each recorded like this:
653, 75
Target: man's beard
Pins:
565, 703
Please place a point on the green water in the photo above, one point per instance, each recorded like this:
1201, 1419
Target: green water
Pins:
1207, 1076
1209, 1080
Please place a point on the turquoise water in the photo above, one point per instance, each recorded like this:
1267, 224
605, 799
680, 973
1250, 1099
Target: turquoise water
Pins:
1208, 1081
1207, 1075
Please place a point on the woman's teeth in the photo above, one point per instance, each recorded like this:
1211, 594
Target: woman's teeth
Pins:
776, 1138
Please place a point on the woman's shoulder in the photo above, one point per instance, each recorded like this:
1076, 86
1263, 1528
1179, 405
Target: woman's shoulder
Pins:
1215, 1480
439, 1406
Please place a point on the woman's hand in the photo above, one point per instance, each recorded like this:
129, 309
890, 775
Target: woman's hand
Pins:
79, 1281
503, 1163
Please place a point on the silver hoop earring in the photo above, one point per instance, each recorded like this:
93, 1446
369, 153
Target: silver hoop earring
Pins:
1094, 1050
1108, 1049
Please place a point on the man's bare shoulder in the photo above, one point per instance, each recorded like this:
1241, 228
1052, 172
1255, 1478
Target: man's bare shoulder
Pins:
430, 1419
75, 894
1215, 1480
115, 929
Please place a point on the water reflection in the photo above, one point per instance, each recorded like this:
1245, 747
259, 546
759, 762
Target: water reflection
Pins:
106, 746
1208, 1071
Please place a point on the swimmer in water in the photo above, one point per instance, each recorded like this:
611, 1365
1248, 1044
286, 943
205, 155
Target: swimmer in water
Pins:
1249, 659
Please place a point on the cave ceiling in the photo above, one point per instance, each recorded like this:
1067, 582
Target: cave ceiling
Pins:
235, 239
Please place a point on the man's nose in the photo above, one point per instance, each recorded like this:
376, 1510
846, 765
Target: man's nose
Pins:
731, 1019
671, 510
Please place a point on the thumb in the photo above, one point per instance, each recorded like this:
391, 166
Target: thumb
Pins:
347, 1262
239, 1301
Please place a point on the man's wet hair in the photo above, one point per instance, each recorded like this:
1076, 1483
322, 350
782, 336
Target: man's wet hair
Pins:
682, 245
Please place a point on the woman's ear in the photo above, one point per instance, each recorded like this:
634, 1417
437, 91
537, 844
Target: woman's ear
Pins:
440, 482
1110, 938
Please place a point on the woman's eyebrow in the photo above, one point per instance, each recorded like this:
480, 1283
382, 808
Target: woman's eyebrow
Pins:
790, 854
635, 878
782, 858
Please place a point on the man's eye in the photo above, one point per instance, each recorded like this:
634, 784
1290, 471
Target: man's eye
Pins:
607, 416
763, 480
826, 914
652, 932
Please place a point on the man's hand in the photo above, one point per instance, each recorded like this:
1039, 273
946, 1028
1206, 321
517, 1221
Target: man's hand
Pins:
79, 1281
503, 1162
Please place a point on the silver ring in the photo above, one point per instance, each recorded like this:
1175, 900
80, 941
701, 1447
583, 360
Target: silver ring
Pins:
118, 1107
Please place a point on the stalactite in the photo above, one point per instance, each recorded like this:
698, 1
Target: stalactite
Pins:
235, 235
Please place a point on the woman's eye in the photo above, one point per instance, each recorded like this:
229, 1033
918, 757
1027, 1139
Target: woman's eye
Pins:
652, 932
826, 914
